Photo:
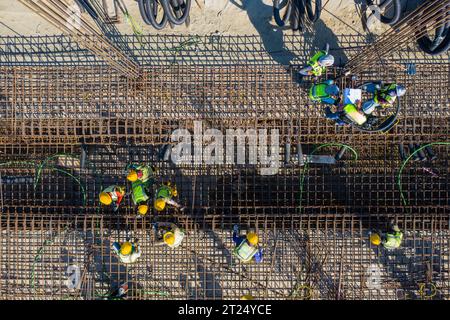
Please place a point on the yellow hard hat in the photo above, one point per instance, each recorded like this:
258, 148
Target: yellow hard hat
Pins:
132, 176
252, 238
247, 297
142, 209
375, 239
169, 238
105, 198
126, 248
160, 204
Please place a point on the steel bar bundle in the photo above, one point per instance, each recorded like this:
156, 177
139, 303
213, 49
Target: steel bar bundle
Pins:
68, 20
429, 16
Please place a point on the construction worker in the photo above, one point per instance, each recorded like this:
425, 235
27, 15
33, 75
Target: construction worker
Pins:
318, 64
140, 172
128, 252
325, 92
346, 114
389, 240
112, 195
164, 196
118, 294
171, 235
246, 246
139, 197
383, 97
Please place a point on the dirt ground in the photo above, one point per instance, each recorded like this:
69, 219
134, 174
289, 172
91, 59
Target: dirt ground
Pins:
228, 17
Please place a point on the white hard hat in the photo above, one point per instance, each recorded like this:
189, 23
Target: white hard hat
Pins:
327, 60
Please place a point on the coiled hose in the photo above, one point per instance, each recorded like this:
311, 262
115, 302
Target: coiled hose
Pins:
313, 16
176, 12
281, 21
441, 41
295, 12
149, 13
397, 7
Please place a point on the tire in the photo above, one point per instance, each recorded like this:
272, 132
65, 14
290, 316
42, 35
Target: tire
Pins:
313, 16
397, 12
170, 8
281, 21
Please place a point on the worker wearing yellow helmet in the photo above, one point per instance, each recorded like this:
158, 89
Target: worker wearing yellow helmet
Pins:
392, 239
139, 172
169, 233
164, 196
112, 195
128, 252
139, 197
247, 247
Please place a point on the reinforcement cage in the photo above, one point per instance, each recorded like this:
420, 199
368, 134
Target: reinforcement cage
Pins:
61, 107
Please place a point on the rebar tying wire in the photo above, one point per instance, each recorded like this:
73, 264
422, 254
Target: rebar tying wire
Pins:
37, 257
306, 167
43, 164
399, 177
137, 29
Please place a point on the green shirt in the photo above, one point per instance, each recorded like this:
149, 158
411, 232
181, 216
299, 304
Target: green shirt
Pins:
393, 240
138, 193
164, 192
317, 69
147, 171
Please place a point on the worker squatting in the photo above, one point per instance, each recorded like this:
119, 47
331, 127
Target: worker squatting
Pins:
247, 248
327, 92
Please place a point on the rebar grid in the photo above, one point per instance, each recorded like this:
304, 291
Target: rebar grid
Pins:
151, 50
314, 229
333, 262
97, 105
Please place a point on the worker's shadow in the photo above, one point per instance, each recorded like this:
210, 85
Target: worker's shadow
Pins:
317, 36
260, 15
416, 262
210, 287
106, 263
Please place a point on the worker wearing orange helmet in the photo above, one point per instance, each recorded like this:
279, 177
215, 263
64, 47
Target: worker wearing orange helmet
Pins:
140, 172
170, 233
247, 247
128, 252
164, 196
112, 195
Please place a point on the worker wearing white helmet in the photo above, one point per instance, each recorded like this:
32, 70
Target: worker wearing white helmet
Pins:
383, 97
318, 64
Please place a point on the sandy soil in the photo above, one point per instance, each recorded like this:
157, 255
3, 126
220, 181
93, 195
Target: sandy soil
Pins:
227, 17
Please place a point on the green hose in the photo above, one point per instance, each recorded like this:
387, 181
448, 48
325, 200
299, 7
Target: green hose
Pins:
399, 177
305, 170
